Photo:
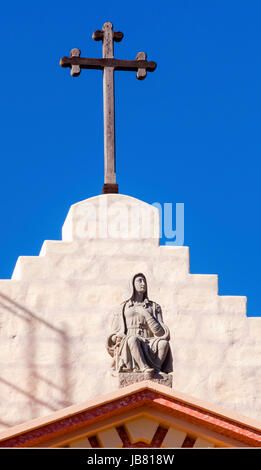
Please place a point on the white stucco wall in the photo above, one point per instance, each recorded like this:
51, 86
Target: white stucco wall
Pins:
54, 316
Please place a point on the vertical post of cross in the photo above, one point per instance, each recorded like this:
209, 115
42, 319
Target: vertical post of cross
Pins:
108, 111
108, 36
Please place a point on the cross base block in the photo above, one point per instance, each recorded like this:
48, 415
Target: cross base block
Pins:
110, 188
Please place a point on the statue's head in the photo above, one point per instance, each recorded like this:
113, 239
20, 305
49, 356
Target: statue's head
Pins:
139, 285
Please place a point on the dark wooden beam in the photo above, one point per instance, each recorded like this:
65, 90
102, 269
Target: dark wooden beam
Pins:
117, 64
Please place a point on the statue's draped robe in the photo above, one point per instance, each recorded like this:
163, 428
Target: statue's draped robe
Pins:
148, 332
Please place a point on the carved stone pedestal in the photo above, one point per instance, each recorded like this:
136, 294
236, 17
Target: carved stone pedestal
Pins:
128, 378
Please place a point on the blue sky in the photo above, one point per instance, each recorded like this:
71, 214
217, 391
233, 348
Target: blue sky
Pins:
189, 133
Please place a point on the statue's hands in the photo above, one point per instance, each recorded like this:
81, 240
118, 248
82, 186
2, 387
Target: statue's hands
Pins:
113, 339
116, 339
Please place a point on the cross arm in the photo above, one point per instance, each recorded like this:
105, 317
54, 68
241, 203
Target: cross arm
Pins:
100, 64
99, 35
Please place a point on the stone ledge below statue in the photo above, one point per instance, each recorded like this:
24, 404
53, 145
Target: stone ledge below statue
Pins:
128, 378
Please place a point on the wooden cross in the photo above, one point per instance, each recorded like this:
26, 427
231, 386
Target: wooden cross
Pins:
108, 64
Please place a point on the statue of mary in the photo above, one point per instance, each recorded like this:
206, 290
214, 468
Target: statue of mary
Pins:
139, 341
